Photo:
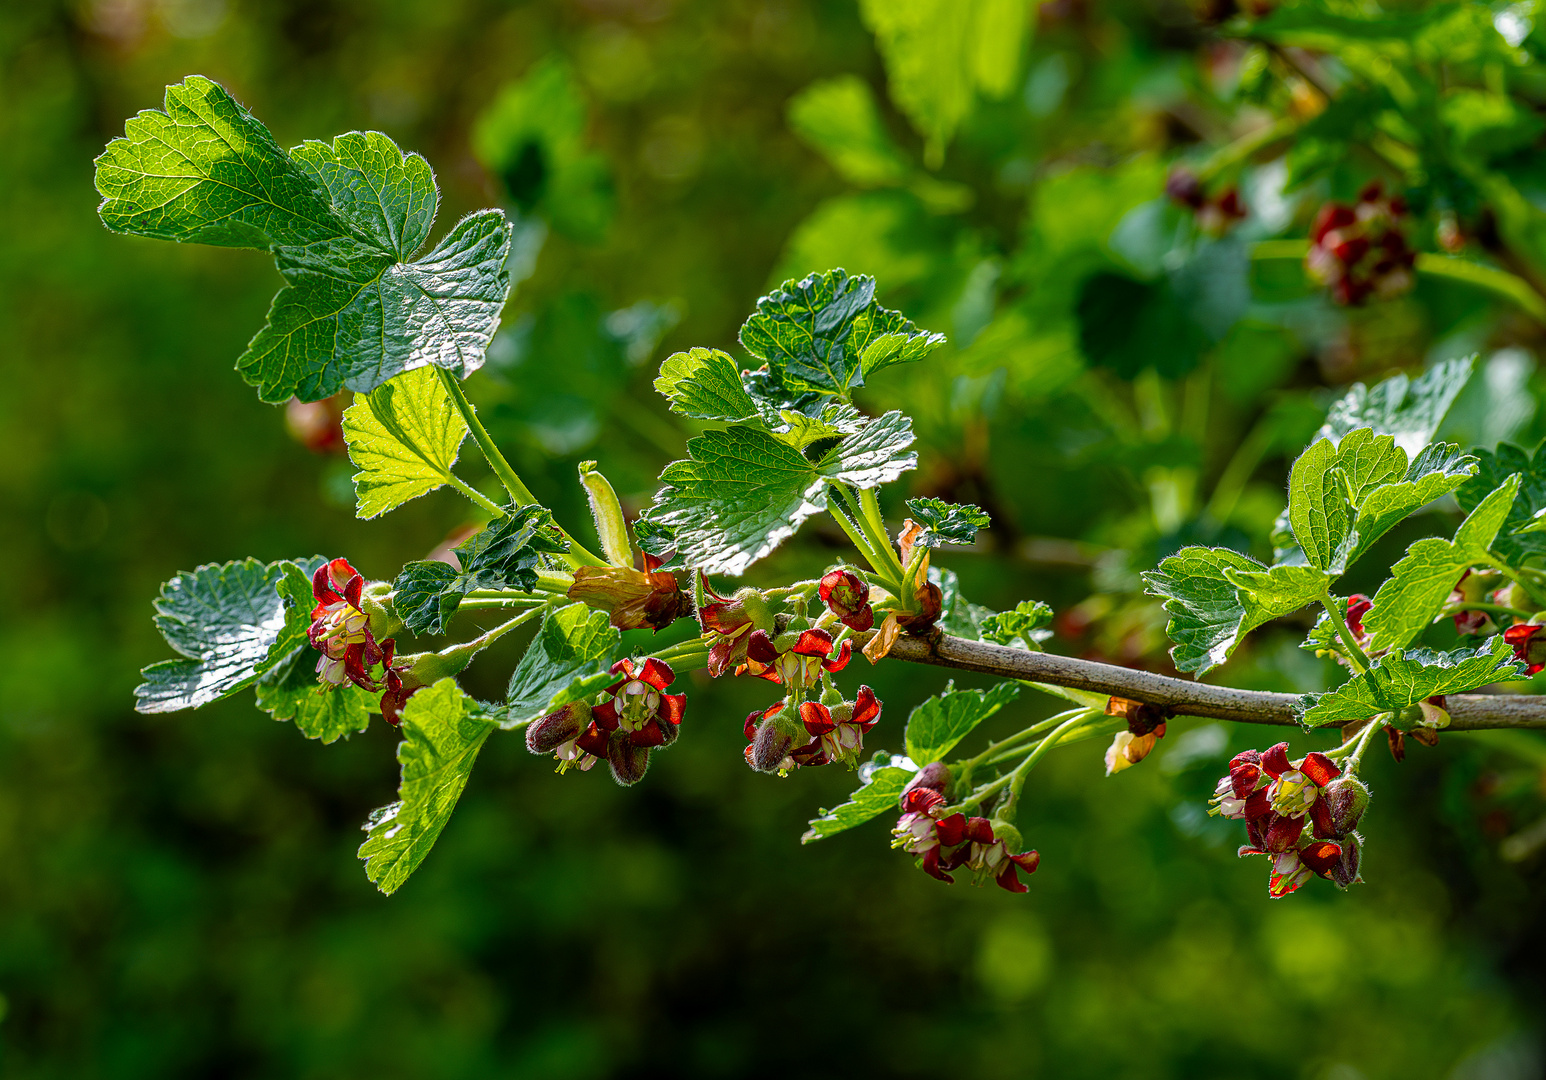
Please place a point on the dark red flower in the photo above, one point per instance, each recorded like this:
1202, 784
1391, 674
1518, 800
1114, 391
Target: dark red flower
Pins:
340, 629
944, 842
1275, 797
634, 717
794, 658
730, 622
1472, 588
848, 597
317, 425
1215, 214
839, 731
397, 689
1358, 606
1528, 646
1361, 251
558, 733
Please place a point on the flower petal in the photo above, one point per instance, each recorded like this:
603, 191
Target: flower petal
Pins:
816, 717
1275, 760
866, 709
760, 647
672, 708
813, 643
1321, 856
605, 714
657, 673
841, 660
1319, 768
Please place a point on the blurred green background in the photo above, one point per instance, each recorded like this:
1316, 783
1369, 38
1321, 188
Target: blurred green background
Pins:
179, 894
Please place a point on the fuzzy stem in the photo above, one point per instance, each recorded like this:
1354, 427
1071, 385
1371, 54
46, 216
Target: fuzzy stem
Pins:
1359, 659
474, 494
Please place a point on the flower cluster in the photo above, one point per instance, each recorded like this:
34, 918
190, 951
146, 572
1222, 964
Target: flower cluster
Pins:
1361, 251
630, 718
1216, 214
817, 733
340, 631
945, 842
1276, 798
729, 623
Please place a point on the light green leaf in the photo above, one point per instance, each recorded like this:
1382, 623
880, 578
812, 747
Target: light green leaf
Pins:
404, 438
1024, 625
825, 333
1318, 509
838, 118
1513, 543
567, 659
1215, 597
231, 624
742, 492
881, 784
1421, 582
441, 739
1401, 679
342, 221
1408, 409
936, 726
705, 384
833, 421
291, 692
1438, 470
947, 523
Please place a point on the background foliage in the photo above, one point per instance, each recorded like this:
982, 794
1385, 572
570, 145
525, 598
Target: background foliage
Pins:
180, 895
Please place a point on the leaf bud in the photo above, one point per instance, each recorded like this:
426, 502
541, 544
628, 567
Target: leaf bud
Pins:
934, 776
1344, 872
770, 746
628, 761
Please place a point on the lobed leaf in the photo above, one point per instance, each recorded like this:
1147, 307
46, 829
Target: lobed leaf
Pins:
291, 692
742, 491
1400, 679
567, 659
947, 523
1216, 596
231, 625
826, 333
404, 438
1422, 580
1513, 543
342, 220
958, 617
936, 726
1408, 409
1025, 624
705, 384
442, 735
881, 784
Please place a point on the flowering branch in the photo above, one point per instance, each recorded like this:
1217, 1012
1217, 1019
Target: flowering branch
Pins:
1468, 712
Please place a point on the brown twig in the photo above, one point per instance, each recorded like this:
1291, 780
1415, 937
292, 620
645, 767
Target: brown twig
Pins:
1468, 712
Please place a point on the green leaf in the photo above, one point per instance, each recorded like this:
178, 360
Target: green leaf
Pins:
940, 53
934, 728
1400, 679
1408, 409
1495, 466
342, 221
881, 783
231, 624
441, 739
567, 659
742, 491
825, 333
291, 692
404, 438
705, 384
1025, 624
205, 171
838, 118
1318, 509
505, 555
1215, 597
831, 421
947, 523
1438, 470
1421, 582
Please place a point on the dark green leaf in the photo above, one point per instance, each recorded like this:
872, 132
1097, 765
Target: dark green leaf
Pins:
291, 692
1495, 466
342, 220
939, 723
881, 784
1401, 679
231, 624
947, 523
441, 739
826, 333
423, 595
742, 491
